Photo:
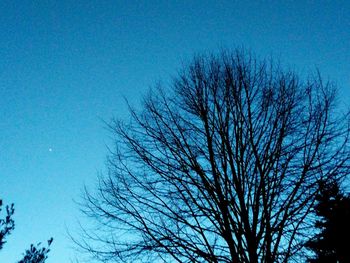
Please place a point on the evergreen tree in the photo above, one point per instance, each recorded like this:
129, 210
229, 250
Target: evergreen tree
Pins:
35, 254
7, 224
331, 244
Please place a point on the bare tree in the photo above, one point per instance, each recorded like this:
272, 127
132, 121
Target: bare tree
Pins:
222, 166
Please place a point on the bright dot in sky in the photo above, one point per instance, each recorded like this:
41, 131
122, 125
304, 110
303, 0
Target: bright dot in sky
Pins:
50, 149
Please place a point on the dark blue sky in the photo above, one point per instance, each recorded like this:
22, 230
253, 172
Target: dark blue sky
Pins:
64, 65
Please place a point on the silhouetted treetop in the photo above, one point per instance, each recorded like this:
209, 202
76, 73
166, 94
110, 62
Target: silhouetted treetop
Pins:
35, 254
7, 224
222, 165
331, 244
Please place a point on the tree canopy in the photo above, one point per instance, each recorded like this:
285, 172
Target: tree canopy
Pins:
221, 165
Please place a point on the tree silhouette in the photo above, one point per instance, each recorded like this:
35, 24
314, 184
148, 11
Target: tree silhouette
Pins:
331, 244
222, 166
35, 254
7, 224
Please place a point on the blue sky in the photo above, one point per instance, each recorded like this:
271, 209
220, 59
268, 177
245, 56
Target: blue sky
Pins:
65, 65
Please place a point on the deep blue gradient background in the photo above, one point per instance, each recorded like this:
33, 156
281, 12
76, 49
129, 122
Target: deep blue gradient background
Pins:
65, 65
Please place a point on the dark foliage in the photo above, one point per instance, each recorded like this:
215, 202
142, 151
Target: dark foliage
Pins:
332, 244
35, 254
7, 224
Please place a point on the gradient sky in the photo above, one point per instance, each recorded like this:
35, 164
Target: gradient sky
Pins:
65, 65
